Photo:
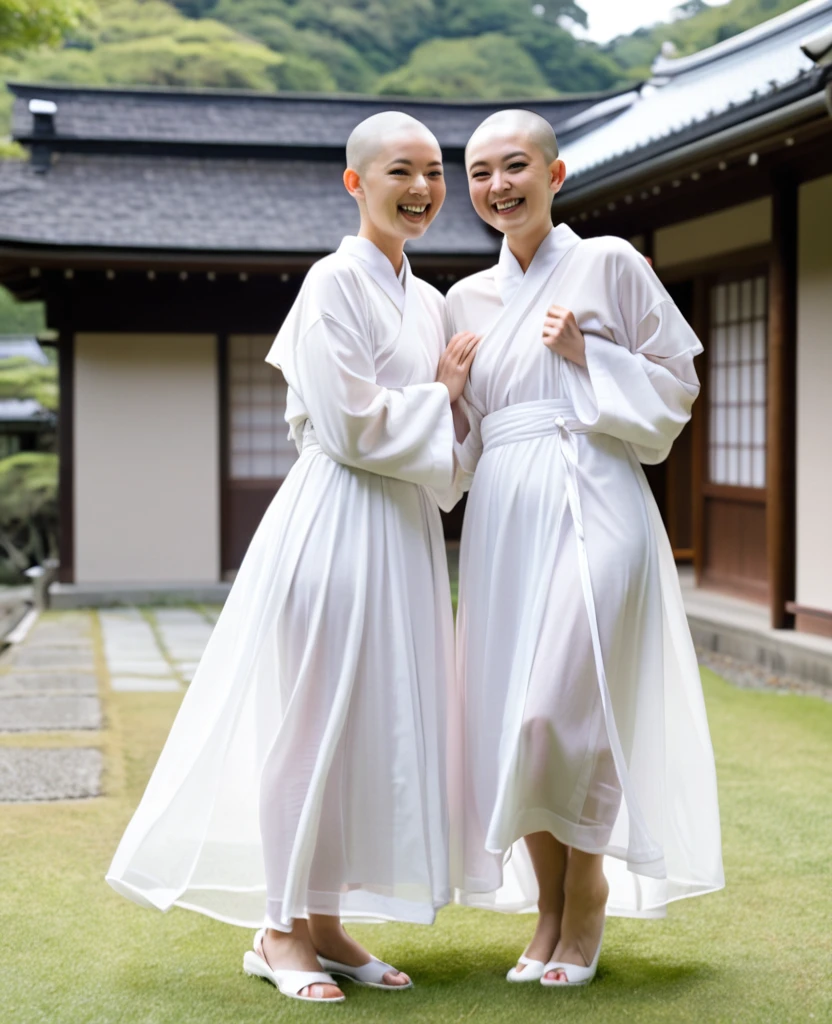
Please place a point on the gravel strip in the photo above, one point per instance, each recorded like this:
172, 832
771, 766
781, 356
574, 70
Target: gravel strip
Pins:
758, 677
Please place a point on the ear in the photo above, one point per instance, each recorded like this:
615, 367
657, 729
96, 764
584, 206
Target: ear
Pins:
352, 183
557, 175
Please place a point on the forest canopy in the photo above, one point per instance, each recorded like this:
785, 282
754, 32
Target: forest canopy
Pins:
453, 48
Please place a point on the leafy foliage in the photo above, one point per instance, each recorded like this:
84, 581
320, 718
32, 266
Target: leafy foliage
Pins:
24, 24
488, 66
20, 317
21, 378
698, 27
28, 511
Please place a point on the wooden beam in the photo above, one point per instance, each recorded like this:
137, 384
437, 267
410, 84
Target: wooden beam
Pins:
782, 351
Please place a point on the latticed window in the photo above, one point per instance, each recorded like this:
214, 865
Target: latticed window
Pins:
737, 384
258, 433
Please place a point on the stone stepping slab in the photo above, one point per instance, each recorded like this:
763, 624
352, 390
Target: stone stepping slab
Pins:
49, 657
28, 775
12, 683
144, 684
43, 714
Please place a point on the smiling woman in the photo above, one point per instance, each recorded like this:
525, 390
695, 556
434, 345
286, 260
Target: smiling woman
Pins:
400, 193
304, 777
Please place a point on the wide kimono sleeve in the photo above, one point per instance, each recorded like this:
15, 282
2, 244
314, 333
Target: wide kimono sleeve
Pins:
400, 432
641, 385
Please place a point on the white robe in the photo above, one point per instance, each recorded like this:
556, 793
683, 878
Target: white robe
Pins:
305, 771
579, 708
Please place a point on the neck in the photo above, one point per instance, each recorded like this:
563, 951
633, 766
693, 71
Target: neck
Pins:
523, 247
392, 247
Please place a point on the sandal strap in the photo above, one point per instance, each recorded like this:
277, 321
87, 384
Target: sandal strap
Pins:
371, 973
292, 982
526, 961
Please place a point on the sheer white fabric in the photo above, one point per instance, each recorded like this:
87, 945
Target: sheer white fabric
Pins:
305, 771
578, 706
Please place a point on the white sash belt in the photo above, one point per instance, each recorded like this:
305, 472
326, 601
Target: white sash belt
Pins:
526, 421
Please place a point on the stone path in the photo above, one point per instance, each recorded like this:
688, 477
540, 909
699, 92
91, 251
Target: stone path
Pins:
48, 683
28, 775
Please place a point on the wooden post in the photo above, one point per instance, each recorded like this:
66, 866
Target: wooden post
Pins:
782, 359
699, 467
66, 455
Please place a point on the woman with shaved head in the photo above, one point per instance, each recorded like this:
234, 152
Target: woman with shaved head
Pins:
580, 725
305, 772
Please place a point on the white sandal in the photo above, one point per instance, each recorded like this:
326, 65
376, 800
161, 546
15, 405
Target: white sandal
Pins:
534, 970
288, 983
370, 974
575, 974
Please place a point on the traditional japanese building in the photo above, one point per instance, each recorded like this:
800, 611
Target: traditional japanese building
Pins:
169, 231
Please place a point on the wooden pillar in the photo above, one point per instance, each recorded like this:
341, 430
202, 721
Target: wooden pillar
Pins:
782, 353
66, 455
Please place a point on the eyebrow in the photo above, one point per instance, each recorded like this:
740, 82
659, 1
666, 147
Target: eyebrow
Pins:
508, 156
403, 160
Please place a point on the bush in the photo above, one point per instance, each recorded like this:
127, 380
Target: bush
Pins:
485, 67
28, 512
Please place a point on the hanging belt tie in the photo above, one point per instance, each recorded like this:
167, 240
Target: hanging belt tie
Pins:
528, 421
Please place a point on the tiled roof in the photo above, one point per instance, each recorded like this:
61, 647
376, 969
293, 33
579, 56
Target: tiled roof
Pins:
225, 205
250, 119
24, 410
757, 70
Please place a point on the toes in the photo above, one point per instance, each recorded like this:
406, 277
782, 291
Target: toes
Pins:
321, 991
557, 976
396, 978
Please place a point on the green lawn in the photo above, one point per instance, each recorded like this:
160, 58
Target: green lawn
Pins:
72, 952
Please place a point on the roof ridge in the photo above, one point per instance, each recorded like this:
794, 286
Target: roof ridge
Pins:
191, 93
669, 67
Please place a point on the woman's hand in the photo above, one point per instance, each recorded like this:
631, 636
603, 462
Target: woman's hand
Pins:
562, 335
455, 362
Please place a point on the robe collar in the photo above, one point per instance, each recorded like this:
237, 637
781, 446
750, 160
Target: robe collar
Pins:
379, 267
509, 275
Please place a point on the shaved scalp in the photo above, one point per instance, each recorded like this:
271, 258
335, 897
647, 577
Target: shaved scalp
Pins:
375, 133
522, 122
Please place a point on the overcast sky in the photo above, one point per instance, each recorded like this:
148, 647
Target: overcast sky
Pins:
610, 18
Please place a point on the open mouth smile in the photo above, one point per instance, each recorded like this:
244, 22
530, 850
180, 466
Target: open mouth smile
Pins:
414, 212
506, 206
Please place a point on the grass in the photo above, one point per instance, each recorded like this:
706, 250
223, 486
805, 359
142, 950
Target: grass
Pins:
72, 952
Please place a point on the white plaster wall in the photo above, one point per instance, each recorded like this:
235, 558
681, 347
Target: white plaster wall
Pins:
739, 227
146, 460
814, 395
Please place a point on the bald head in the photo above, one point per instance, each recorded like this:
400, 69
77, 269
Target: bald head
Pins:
376, 133
519, 122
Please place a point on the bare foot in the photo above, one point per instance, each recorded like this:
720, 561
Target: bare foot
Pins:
544, 940
332, 942
293, 951
583, 923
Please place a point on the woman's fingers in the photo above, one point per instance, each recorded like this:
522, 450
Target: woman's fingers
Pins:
470, 348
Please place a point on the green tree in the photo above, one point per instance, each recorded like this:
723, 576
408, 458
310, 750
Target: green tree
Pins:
21, 378
25, 24
28, 511
488, 66
19, 317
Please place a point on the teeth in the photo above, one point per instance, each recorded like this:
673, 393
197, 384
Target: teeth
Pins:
507, 204
414, 209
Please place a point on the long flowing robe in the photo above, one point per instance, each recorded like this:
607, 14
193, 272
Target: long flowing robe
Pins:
305, 771
578, 708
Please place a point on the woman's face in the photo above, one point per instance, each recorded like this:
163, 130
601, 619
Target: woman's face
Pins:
403, 187
510, 183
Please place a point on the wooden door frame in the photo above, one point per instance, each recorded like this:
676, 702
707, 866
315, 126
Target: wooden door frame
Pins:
704, 274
